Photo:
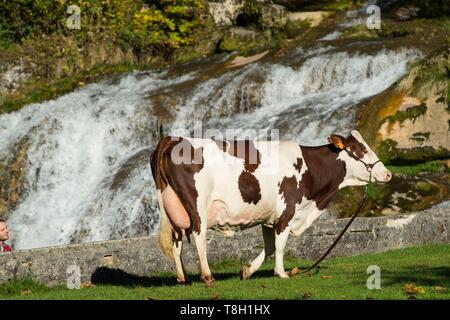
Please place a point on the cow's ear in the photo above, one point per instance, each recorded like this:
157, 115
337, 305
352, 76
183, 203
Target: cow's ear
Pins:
337, 140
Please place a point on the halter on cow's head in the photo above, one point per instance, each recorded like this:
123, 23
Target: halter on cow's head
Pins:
361, 162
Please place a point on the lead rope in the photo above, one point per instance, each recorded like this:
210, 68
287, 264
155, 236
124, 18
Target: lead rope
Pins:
361, 205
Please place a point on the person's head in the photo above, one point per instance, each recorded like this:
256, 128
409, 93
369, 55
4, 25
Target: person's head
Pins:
4, 233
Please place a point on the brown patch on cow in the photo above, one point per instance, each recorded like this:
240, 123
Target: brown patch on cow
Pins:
178, 170
357, 149
292, 195
324, 174
298, 165
249, 187
245, 150
242, 149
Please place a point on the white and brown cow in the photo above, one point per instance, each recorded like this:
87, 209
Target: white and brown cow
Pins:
197, 192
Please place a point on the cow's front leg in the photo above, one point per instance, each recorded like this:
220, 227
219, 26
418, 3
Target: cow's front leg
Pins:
280, 244
200, 242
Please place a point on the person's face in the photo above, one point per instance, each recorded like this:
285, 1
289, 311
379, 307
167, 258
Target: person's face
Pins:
4, 233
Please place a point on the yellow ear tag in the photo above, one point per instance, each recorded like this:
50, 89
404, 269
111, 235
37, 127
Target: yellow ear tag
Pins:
340, 145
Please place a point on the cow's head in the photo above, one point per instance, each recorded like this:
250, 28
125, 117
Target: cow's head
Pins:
360, 160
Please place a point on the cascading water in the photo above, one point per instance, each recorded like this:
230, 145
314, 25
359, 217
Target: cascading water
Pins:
305, 104
87, 159
78, 146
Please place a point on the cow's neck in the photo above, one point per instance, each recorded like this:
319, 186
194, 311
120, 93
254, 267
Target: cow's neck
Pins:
324, 174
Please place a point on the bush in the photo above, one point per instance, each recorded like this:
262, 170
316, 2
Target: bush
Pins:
142, 24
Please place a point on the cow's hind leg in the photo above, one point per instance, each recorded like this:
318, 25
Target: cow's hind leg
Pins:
269, 248
200, 242
177, 249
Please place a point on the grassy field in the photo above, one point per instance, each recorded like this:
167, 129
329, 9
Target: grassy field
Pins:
414, 273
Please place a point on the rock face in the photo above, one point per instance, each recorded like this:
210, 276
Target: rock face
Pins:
408, 126
11, 177
244, 40
225, 12
273, 16
410, 123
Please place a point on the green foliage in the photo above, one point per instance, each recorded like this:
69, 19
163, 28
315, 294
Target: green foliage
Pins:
143, 25
252, 14
169, 24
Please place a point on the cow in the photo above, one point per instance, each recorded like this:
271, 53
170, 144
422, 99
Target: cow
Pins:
196, 192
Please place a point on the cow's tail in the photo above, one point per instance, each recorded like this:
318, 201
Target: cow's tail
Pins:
165, 230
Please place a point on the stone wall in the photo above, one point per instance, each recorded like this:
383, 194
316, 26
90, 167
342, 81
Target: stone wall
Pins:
131, 259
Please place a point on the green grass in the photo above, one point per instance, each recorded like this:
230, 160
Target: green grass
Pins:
427, 267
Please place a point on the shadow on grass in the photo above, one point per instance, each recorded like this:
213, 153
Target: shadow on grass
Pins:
106, 276
118, 277
420, 275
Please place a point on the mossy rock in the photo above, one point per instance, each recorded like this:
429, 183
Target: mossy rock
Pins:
389, 153
404, 193
360, 32
294, 28
246, 41
388, 29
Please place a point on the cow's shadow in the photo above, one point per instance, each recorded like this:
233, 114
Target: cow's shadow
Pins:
118, 277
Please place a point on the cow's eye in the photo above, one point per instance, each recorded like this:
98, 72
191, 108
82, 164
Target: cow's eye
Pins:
365, 151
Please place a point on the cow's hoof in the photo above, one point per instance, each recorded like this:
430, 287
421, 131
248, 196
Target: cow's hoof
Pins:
282, 275
183, 282
245, 273
209, 281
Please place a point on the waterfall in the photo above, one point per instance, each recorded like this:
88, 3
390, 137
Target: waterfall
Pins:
87, 173
78, 144
306, 103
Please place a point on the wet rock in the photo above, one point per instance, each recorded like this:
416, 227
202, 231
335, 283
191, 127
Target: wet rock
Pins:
406, 13
12, 176
11, 77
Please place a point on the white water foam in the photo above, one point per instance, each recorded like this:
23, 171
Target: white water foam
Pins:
306, 104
